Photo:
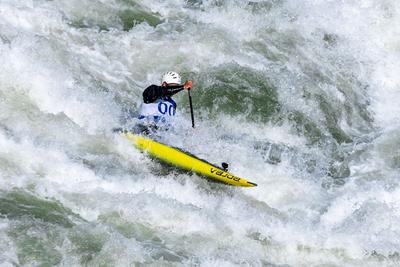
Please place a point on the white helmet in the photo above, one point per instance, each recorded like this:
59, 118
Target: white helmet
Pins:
171, 77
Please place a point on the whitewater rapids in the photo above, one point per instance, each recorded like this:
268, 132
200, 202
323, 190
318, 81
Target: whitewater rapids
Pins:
300, 97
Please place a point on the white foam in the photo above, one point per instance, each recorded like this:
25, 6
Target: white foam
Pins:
54, 75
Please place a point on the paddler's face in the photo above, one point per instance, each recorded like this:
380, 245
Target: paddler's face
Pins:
164, 84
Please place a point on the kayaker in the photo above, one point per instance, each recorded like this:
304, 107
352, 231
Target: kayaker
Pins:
158, 106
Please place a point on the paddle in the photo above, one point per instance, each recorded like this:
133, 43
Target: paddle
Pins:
191, 107
225, 165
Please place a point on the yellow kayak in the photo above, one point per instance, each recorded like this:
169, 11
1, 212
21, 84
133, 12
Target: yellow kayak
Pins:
180, 159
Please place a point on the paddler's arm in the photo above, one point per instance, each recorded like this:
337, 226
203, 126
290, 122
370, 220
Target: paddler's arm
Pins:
153, 92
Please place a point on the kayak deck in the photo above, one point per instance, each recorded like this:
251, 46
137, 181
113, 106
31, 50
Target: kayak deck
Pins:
183, 160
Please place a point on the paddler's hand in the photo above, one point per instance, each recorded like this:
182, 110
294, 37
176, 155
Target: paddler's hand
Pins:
188, 85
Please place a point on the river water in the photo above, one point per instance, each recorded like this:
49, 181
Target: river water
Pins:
300, 97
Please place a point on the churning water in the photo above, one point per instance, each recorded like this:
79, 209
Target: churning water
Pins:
300, 97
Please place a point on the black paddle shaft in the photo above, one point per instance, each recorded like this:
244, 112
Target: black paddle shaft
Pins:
191, 108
